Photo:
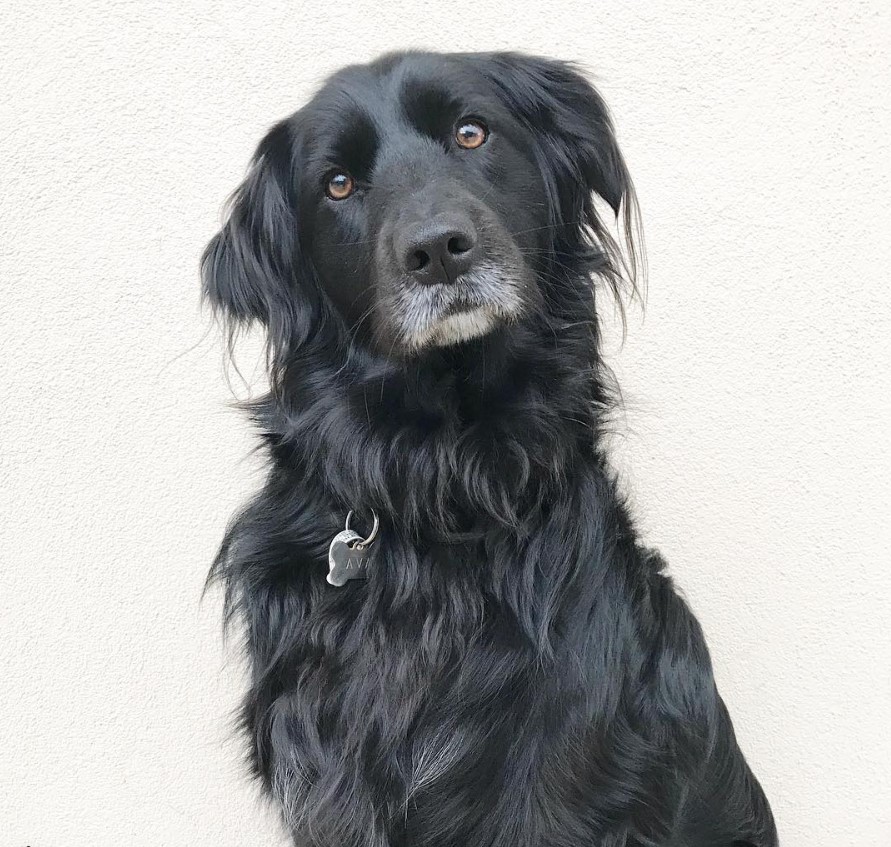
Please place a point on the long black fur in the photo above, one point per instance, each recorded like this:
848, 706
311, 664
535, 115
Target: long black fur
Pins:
518, 670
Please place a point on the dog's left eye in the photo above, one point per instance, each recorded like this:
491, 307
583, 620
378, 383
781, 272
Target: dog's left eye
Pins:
471, 134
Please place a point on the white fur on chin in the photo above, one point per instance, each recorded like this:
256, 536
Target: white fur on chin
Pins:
456, 328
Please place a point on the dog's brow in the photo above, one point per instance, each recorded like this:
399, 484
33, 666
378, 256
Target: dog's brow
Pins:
429, 107
356, 144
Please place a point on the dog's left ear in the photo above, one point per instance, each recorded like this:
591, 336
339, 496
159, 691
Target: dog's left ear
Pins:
569, 119
575, 146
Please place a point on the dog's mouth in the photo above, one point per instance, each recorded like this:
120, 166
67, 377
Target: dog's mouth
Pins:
477, 302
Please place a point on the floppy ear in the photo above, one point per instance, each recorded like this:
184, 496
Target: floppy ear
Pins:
575, 145
249, 267
569, 117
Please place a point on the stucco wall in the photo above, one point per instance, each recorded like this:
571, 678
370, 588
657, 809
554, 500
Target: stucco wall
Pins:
756, 438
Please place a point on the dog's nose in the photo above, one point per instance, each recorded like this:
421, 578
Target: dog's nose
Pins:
438, 251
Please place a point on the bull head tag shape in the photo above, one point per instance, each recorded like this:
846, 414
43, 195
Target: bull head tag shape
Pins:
348, 555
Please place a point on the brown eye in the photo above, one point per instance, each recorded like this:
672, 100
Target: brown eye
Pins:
471, 134
339, 185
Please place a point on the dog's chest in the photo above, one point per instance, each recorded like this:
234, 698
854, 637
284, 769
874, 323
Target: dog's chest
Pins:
422, 740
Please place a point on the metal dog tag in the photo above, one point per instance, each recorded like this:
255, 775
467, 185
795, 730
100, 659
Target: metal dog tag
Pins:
346, 560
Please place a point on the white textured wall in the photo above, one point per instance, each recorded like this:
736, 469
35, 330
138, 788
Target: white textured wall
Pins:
758, 386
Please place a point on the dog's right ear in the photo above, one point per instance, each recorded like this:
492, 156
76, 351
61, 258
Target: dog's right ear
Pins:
249, 268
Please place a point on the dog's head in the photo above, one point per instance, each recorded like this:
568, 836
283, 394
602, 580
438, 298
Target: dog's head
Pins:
422, 201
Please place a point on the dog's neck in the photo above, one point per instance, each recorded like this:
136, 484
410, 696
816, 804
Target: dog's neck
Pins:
471, 467
490, 432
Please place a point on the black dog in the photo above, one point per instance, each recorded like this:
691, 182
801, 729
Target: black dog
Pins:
513, 669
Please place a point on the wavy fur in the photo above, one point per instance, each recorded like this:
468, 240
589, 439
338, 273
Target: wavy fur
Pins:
518, 670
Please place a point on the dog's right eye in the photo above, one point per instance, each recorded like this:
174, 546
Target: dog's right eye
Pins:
339, 185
